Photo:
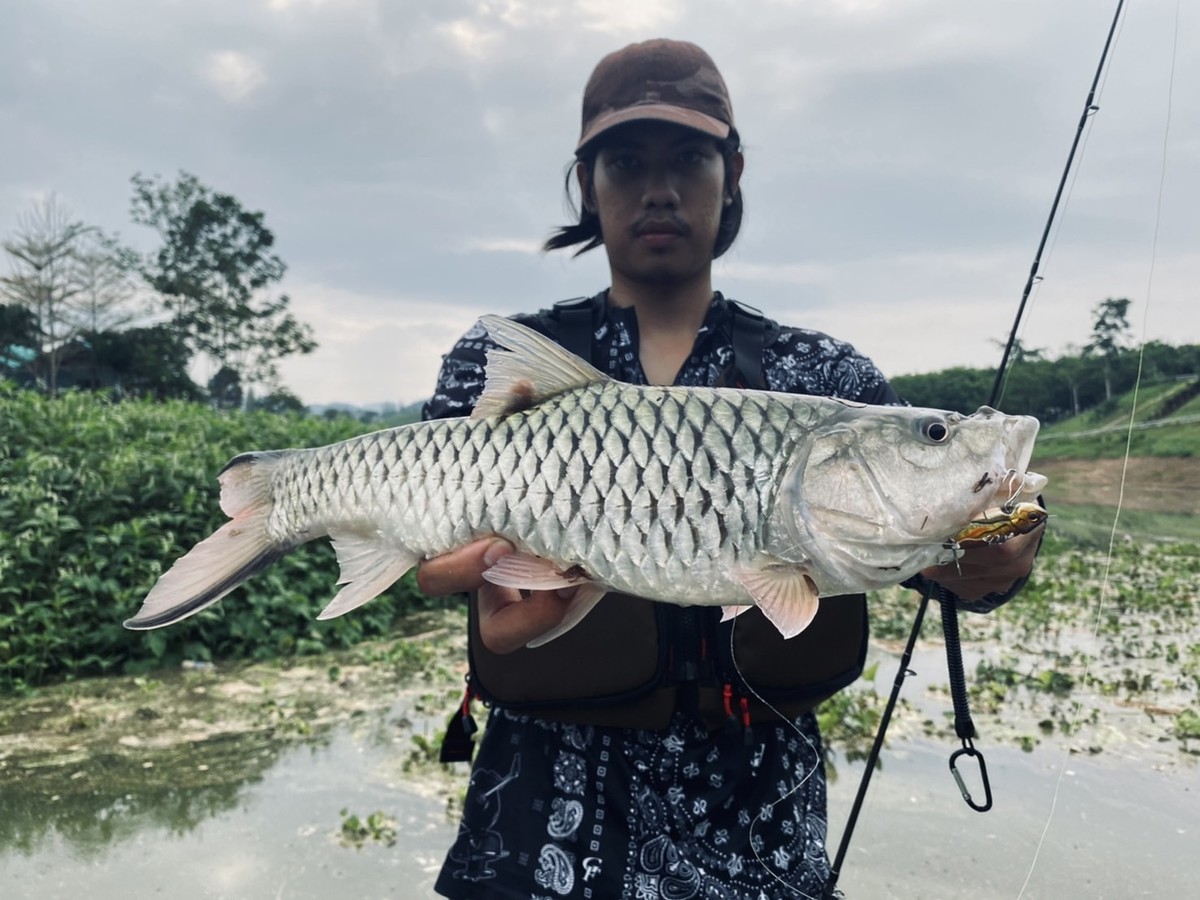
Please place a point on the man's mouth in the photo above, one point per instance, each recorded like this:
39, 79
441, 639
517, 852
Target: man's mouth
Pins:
649, 227
659, 233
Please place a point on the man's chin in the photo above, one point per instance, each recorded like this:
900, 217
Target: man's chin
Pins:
666, 273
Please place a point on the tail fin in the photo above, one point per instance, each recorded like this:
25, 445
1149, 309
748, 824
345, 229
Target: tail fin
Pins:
237, 550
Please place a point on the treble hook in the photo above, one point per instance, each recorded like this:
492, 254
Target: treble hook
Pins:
968, 749
1016, 483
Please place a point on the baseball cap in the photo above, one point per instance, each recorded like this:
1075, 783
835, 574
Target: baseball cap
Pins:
663, 80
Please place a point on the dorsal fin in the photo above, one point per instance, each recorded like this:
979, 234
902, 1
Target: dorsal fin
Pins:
529, 371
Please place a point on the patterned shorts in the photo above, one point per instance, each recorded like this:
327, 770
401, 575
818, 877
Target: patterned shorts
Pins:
556, 810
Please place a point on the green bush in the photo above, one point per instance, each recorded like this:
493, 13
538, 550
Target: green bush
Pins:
97, 499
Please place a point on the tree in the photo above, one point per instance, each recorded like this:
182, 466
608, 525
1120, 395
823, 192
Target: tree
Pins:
1072, 369
104, 271
279, 401
1019, 352
214, 271
225, 388
44, 280
143, 362
71, 277
959, 388
1110, 331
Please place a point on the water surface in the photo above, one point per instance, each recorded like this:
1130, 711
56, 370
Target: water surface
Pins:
267, 823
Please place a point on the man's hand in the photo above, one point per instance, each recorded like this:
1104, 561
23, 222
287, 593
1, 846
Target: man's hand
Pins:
989, 569
508, 619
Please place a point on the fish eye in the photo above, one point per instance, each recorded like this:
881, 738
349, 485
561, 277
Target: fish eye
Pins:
934, 429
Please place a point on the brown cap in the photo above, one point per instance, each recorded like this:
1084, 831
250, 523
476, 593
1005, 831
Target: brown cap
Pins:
670, 81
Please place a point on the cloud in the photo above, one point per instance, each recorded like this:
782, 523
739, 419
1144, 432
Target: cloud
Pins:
234, 75
636, 19
373, 348
490, 28
410, 158
503, 245
778, 273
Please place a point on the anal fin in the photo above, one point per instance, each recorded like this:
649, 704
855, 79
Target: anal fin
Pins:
368, 568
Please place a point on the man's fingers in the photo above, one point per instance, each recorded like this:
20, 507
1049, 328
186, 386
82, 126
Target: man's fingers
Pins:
988, 569
460, 570
509, 621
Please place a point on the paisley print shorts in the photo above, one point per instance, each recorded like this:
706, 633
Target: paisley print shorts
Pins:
557, 810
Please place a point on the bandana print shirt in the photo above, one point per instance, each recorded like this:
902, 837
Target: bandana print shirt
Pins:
797, 361
556, 810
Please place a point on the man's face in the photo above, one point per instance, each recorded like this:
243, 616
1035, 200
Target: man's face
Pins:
659, 190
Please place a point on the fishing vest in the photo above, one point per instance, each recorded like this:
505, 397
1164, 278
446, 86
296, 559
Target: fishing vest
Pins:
632, 662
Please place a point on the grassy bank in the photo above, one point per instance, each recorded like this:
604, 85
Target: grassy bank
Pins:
97, 499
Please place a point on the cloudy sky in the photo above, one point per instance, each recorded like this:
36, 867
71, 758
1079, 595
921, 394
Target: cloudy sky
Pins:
409, 155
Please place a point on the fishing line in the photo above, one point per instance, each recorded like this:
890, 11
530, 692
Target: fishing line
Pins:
1112, 538
787, 795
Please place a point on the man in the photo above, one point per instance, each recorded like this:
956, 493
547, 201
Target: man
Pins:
644, 753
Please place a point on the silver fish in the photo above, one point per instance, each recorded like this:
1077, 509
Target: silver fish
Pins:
686, 495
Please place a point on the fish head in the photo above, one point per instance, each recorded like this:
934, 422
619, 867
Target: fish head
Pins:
889, 486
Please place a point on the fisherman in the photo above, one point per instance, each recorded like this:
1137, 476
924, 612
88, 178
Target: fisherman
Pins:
653, 751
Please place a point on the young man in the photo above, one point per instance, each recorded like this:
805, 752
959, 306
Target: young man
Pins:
635, 756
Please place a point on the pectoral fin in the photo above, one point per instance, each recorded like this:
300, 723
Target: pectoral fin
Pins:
527, 572
581, 604
785, 593
532, 573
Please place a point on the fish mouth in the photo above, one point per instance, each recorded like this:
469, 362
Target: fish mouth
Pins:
1016, 482
1020, 434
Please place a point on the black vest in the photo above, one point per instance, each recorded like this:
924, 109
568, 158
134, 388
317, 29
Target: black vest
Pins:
632, 662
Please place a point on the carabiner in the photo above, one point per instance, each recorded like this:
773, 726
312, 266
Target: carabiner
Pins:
968, 749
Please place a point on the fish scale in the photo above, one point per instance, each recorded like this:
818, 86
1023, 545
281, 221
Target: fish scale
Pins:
685, 495
622, 476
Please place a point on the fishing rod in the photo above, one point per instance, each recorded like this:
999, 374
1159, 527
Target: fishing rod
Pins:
963, 726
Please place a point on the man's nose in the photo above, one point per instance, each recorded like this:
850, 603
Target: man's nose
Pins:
660, 189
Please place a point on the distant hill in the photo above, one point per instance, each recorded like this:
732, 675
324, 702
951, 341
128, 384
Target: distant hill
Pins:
384, 414
1055, 390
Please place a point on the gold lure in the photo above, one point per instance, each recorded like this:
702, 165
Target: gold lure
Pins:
999, 524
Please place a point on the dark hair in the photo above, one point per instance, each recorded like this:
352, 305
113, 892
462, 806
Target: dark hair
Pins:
587, 230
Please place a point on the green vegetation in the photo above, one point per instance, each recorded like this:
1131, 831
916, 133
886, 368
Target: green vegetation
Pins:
1091, 526
1099, 648
1059, 389
1166, 422
97, 499
378, 827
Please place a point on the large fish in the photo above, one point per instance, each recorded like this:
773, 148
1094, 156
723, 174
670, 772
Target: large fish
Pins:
686, 495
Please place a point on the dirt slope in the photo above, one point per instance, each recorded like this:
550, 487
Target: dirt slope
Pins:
1154, 484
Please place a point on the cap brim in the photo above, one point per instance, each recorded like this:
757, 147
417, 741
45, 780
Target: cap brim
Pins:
655, 112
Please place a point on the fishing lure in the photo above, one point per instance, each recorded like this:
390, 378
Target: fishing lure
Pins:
997, 525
